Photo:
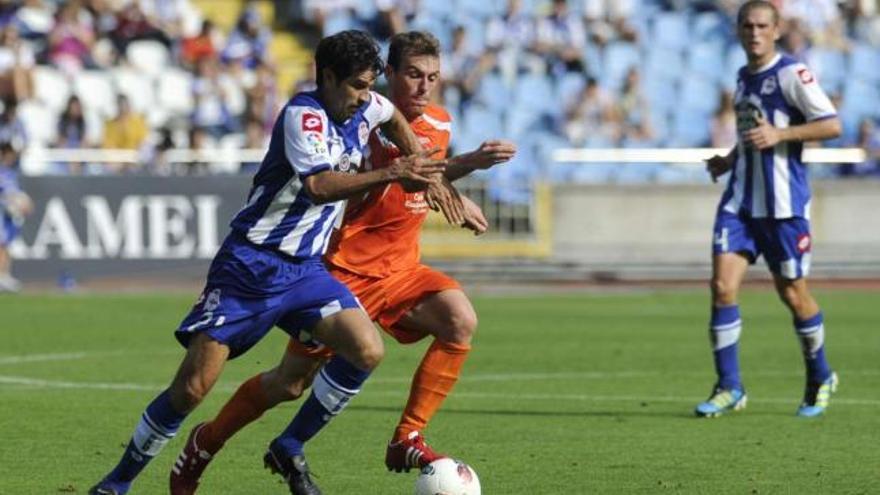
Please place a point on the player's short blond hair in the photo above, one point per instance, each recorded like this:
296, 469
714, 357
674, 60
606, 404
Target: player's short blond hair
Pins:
412, 44
756, 4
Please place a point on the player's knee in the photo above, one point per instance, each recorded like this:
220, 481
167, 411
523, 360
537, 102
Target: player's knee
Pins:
723, 292
293, 390
185, 398
370, 355
462, 325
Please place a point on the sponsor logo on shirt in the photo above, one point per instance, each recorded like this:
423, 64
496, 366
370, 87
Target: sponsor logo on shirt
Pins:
805, 75
316, 142
415, 202
804, 243
312, 122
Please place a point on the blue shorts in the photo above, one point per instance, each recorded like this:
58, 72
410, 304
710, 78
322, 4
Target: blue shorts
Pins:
785, 243
9, 229
251, 289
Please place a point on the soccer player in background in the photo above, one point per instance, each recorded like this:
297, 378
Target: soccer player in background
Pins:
269, 271
376, 253
15, 204
765, 209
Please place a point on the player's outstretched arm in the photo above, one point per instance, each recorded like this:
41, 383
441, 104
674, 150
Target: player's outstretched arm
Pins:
399, 132
719, 165
443, 196
328, 186
489, 154
474, 219
764, 135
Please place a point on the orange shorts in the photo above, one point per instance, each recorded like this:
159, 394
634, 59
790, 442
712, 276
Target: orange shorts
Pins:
387, 300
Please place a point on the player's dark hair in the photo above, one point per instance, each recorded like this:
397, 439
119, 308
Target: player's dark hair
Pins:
756, 4
347, 53
412, 44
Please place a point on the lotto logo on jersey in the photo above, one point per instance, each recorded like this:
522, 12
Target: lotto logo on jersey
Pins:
805, 76
803, 243
312, 122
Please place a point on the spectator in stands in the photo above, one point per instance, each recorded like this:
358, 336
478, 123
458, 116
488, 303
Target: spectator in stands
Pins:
606, 20
12, 129
211, 110
392, 17
7, 11
72, 38
255, 138
262, 97
16, 65
462, 68
512, 36
35, 19
156, 155
248, 43
128, 130
199, 139
15, 205
795, 42
133, 25
166, 15
722, 129
71, 134
634, 110
196, 48
316, 12
561, 38
821, 18
869, 140
594, 116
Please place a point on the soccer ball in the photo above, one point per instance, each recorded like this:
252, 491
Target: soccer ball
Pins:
447, 477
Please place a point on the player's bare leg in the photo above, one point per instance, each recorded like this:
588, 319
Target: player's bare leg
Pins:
197, 374
809, 326
359, 349
728, 393
285, 382
448, 316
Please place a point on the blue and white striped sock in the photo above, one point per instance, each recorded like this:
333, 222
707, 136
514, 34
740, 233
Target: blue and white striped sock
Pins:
811, 333
159, 423
335, 385
724, 330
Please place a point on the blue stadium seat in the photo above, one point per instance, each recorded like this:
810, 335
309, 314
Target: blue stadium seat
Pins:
736, 59
707, 59
859, 102
671, 30
618, 58
661, 94
493, 92
521, 120
709, 26
664, 64
534, 91
829, 66
690, 128
340, 21
864, 62
569, 87
481, 123
698, 93
479, 9
438, 9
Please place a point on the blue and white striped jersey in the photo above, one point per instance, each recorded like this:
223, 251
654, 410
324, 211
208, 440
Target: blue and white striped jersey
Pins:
773, 183
279, 213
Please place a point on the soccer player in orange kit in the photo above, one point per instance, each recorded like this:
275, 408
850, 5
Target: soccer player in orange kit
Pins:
376, 254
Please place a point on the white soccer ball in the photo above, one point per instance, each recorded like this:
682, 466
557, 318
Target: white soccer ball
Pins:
447, 477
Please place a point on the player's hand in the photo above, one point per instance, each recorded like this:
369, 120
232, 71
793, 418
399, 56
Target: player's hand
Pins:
491, 153
442, 195
418, 167
474, 219
763, 136
717, 166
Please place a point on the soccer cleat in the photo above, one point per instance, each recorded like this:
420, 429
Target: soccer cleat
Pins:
101, 490
411, 452
817, 396
189, 466
721, 401
294, 470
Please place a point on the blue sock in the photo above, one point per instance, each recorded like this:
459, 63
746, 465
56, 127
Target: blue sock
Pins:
724, 330
335, 385
811, 333
157, 426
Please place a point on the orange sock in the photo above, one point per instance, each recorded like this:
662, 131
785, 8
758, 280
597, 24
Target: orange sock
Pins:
247, 404
432, 382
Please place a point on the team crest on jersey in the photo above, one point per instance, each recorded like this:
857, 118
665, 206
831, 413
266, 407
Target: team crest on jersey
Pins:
312, 122
804, 243
363, 133
768, 86
344, 163
805, 75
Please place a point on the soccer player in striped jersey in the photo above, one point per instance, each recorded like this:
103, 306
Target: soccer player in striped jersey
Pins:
765, 209
376, 253
269, 271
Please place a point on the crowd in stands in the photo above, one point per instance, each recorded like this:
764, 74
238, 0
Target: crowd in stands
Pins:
155, 75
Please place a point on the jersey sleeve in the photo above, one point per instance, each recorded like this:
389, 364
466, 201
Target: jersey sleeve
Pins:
305, 140
378, 111
802, 90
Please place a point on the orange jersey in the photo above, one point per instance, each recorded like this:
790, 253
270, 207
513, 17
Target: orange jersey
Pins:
380, 233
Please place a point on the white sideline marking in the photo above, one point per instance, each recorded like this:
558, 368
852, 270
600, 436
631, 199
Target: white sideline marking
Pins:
34, 382
34, 358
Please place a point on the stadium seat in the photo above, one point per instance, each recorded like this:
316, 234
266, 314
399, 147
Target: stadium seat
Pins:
493, 92
698, 93
864, 62
661, 94
149, 57
709, 26
859, 102
663, 64
690, 128
40, 122
568, 88
96, 91
175, 91
479, 10
339, 21
534, 91
136, 86
829, 66
51, 87
618, 58
707, 59
671, 30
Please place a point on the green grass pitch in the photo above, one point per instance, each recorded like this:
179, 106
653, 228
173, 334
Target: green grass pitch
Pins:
573, 394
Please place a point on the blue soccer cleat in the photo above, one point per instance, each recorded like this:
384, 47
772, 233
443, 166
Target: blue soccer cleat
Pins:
817, 396
720, 402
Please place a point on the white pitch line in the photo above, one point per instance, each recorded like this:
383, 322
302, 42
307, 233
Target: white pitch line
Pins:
33, 382
35, 358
